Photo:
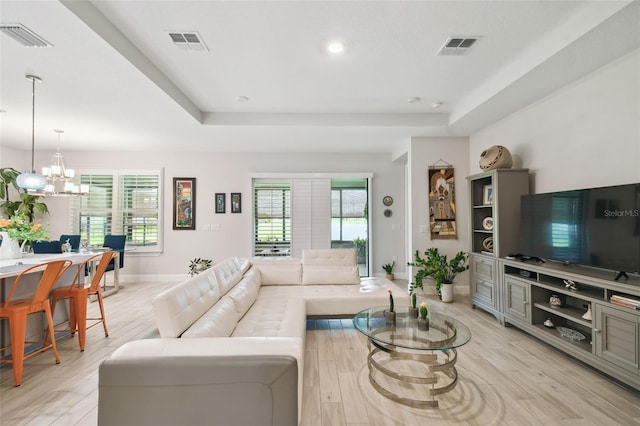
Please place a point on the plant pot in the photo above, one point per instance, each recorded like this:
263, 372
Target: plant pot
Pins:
413, 313
423, 324
446, 290
390, 277
390, 317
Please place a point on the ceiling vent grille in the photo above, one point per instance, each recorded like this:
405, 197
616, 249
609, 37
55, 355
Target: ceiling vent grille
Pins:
24, 35
457, 46
189, 41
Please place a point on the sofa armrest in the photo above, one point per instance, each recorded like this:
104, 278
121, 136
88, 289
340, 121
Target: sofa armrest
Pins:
217, 381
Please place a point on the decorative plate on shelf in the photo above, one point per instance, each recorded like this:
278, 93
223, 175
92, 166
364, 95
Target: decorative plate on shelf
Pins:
570, 333
487, 223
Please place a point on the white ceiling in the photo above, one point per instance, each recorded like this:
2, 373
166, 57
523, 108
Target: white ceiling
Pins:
115, 81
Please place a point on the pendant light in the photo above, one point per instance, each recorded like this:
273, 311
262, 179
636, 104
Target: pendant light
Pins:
32, 181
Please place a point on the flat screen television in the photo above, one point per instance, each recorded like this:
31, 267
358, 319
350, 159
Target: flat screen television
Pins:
597, 227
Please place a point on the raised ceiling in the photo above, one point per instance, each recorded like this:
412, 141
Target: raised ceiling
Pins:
114, 79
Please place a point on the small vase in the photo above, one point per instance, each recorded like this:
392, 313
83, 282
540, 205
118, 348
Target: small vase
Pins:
390, 317
423, 324
413, 313
587, 315
9, 249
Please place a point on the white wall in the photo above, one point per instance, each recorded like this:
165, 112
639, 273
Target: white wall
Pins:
229, 172
584, 135
425, 152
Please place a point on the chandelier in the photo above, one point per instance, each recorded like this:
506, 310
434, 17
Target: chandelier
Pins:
58, 174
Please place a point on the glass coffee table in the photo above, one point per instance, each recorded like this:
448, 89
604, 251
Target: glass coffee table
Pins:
408, 365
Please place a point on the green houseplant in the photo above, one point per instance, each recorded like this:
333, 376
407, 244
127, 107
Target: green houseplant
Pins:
388, 268
28, 203
438, 267
198, 265
361, 248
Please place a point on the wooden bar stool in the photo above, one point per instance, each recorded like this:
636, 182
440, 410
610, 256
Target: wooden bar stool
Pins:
17, 311
77, 293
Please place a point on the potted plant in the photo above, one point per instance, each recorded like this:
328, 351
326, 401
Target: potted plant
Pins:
361, 248
198, 265
388, 268
439, 268
390, 315
413, 310
423, 321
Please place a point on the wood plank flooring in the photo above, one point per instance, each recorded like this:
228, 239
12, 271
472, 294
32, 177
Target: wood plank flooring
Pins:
505, 377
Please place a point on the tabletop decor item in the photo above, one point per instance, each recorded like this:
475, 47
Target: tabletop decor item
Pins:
495, 157
587, 315
413, 310
16, 232
555, 301
548, 323
390, 315
570, 333
423, 321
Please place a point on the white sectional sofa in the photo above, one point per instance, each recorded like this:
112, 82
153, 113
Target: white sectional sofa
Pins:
231, 346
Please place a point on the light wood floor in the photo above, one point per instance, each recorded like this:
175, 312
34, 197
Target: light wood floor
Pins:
505, 377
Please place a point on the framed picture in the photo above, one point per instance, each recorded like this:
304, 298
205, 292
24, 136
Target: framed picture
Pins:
236, 202
221, 202
487, 194
184, 203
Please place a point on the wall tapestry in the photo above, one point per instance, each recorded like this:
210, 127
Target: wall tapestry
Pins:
442, 207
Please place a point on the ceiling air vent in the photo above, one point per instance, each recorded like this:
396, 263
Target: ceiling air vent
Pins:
24, 35
190, 41
457, 45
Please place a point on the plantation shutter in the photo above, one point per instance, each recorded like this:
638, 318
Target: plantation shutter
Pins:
311, 221
92, 214
272, 218
139, 209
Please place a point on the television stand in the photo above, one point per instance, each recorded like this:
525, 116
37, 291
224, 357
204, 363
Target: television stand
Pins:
608, 339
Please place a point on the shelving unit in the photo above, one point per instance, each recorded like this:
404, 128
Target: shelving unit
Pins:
612, 337
502, 211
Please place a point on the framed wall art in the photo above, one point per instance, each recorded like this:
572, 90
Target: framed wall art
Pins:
442, 203
487, 195
184, 203
221, 202
236, 202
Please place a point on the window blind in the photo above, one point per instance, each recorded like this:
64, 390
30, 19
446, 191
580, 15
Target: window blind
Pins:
272, 218
311, 222
122, 202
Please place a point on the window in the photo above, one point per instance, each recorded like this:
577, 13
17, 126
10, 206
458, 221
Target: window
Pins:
122, 202
272, 218
294, 212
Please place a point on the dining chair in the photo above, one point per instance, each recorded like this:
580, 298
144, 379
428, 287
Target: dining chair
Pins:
115, 243
74, 240
78, 293
40, 247
16, 312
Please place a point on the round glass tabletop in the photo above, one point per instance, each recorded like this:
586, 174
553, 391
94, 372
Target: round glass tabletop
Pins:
444, 332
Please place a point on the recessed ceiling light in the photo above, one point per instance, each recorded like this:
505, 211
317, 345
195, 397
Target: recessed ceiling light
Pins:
413, 100
436, 105
242, 99
335, 47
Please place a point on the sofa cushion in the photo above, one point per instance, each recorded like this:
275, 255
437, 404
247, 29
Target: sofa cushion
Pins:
176, 308
246, 291
277, 317
332, 266
228, 273
279, 270
219, 321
